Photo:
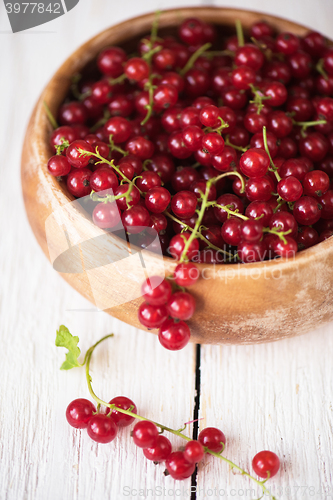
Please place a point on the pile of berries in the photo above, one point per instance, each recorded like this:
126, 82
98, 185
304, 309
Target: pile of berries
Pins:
223, 147
103, 428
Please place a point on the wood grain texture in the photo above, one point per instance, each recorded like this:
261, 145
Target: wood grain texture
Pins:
252, 296
40, 456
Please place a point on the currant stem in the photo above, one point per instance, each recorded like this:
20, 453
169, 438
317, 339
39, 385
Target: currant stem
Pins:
163, 428
199, 235
194, 57
101, 122
273, 167
239, 32
50, 116
238, 148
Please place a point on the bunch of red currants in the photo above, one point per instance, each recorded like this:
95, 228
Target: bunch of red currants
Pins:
222, 145
103, 428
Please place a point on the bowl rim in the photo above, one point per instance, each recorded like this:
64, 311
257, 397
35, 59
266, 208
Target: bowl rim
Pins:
303, 257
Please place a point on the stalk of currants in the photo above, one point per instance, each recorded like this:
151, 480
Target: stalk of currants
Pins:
102, 427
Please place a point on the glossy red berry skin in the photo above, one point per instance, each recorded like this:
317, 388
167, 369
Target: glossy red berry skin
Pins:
136, 69
231, 231
152, 316
158, 222
252, 252
212, 438
120, 129
260, 209
164, 96
148, 181
160, 452
192, 31
277, 93
156, 291
287, 43
60, 134
79, 412
284, 221
145, 434
259, 188
102, 429
110, 61
326, 202
58, 165
209, 116
178, 467
186, 274
194, 452
184, 204
314, 146
177, 245
266, 462
290, 189
307, 211
212, 143
249, 55
106, 215
177, 146
134, 196
135, 219
224, 200
78, 183
121, 419
243, 77
316, 183
72, 113
286, 249
140, 146
157, 199
254, 163
306, 237
73, 155
252, 231
181, 305
174, 336
103, 178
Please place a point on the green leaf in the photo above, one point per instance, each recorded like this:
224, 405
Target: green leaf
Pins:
65, 339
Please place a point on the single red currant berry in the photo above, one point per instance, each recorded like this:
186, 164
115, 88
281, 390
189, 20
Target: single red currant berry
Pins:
78, 182
74, 155
136, 69
106, 215
326, 202
249, 55
110, 61
186, 274
174, 336
145, 434
194, 452
307, 211
252, 252
178, 467
231, 231
156, 291
212, 143
266, 464
122, 419
157, 199
160, 452
307, 237
287, 248
103, 178
101, 428
135, 219
181, 305
259, 210
152, 316
252, 230
72, 113
259, 188
287, 43
232, 202
119, 128
184, 204
79, 412
254, 163
58, 165
164, 96
177, 245
213, 439
209, 116
290, 189
191, 31
314, 146
140, 146
316, 183
243, 77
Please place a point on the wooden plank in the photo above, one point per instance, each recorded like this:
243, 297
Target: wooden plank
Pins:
274, 396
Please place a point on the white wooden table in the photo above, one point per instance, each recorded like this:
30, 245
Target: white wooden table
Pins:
277, 396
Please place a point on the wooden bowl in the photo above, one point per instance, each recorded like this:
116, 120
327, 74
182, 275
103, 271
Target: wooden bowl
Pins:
236, 304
